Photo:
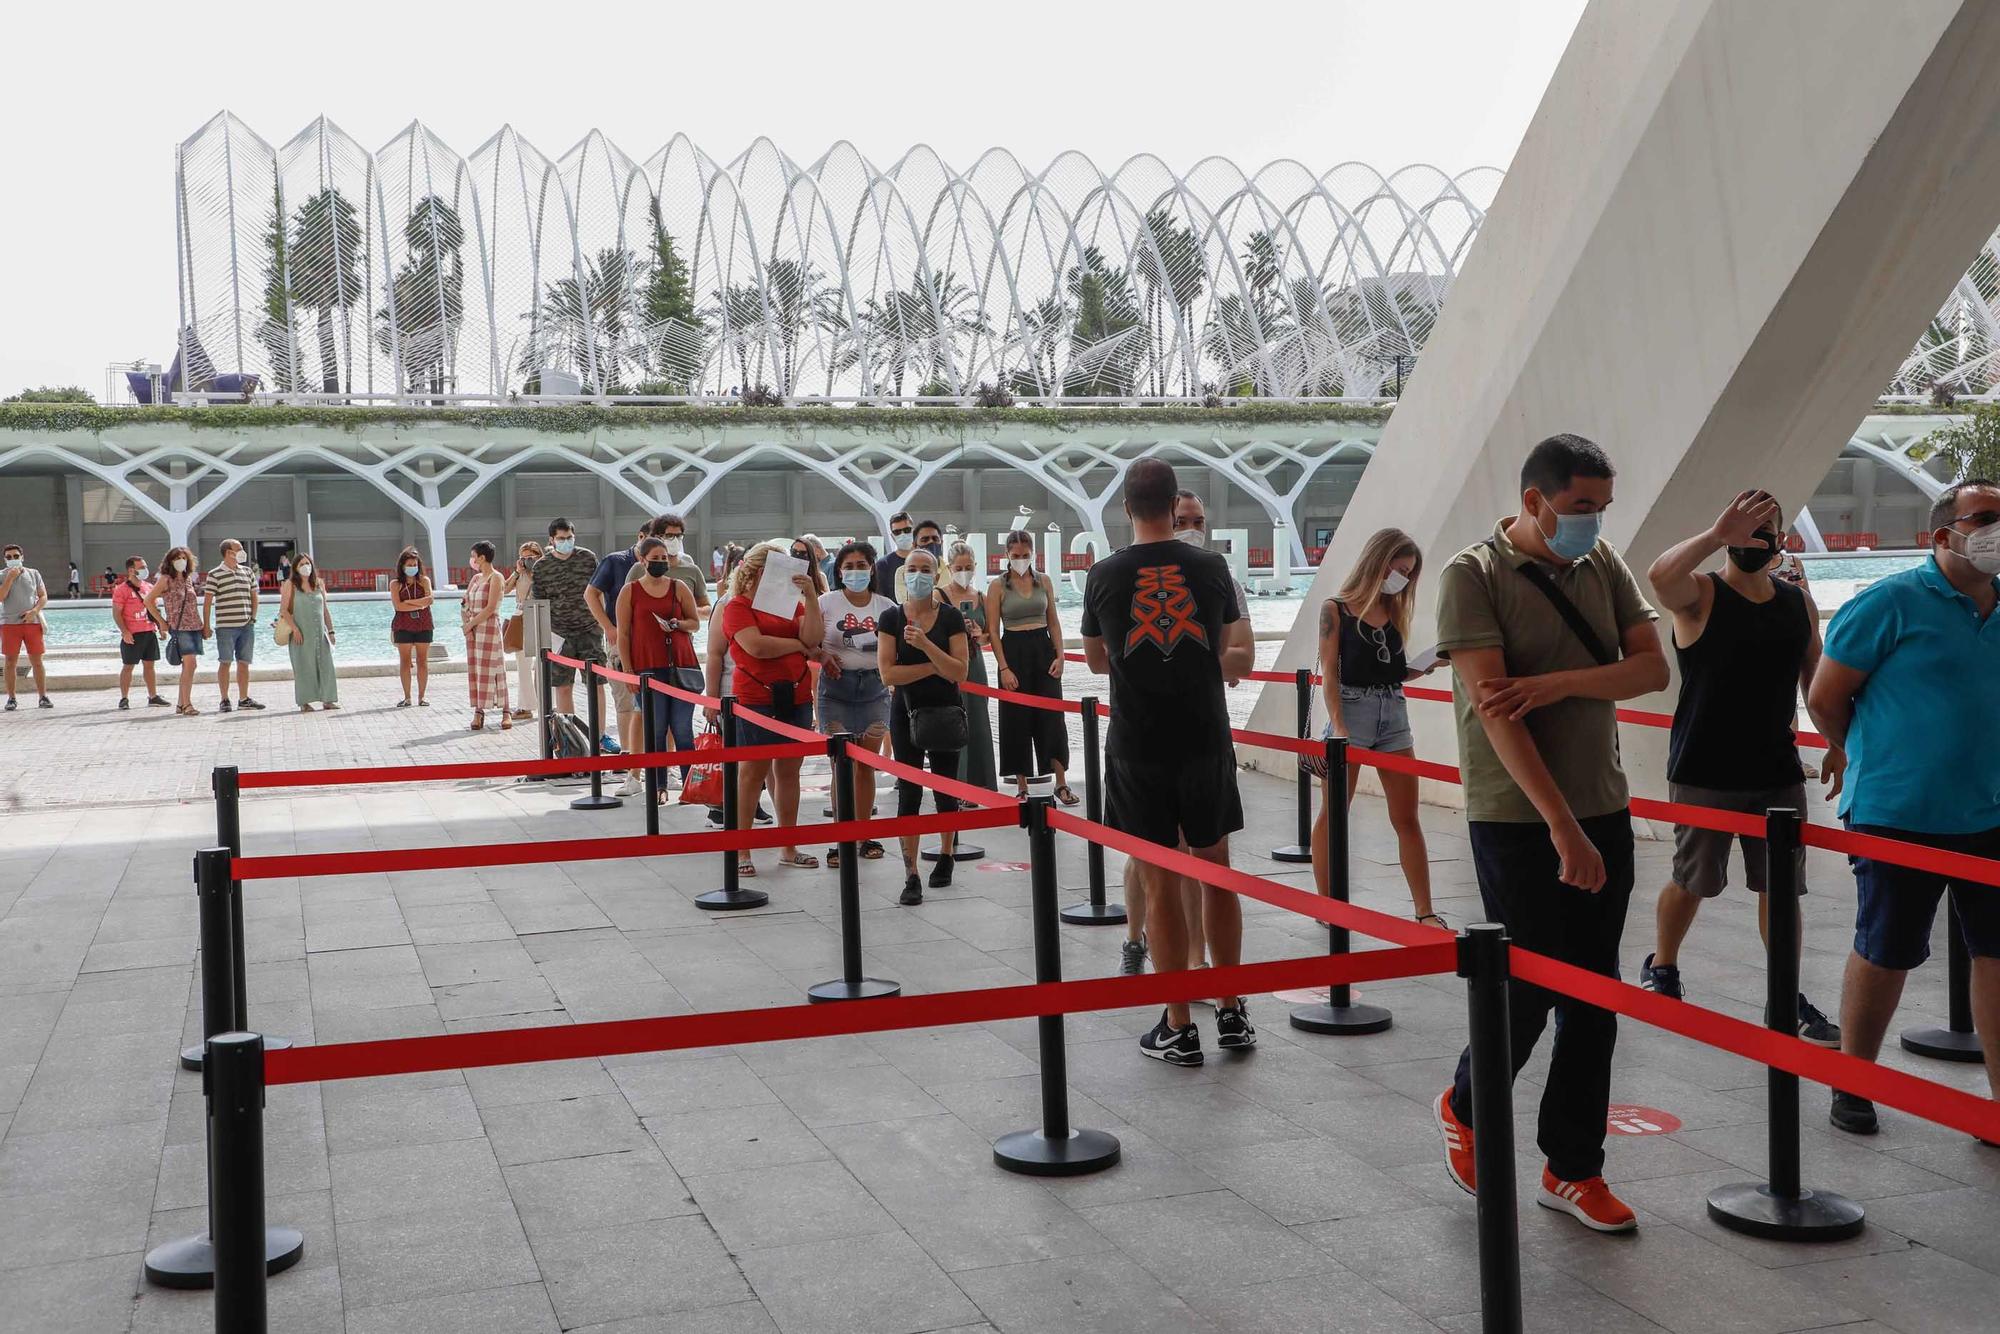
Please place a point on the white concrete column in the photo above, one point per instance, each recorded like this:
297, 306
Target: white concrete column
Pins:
1727, 223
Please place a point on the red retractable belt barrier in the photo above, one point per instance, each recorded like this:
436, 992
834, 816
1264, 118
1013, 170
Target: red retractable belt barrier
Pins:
606, 849
1016, 697
1938, 861
977, 796
409, 773
654, 683
772, 725
519, 1046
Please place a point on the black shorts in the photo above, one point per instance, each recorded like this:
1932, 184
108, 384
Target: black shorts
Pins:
411, 636
145, 647
1190, 798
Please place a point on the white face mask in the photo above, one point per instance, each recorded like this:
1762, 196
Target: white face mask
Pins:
962, 578
13, 562
1981, 548
181, 565
1020, 564
1394, 582
673, 547
904, 541
305, 569
141, 573
1194, 537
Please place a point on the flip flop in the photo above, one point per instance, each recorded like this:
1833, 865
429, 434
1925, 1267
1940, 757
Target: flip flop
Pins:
805, 861
871, 850
1066, 795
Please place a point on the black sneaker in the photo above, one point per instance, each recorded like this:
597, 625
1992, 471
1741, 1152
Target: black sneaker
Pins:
941, 872
11, 704
1175, 1046
247, 703
1132, 958
1815, 1027
224, 706
1232, 1028
1855, 1115
913, 892
155, 702
47, 703
763, 816
124, 703
1665, 979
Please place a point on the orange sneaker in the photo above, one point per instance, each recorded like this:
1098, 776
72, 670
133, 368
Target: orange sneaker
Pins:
1457, 1138
1589, 1202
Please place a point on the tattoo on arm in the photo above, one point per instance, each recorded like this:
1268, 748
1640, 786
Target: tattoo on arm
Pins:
1328, 619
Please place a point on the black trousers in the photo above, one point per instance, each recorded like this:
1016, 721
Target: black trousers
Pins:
1517, 868
904, 750
1032, 741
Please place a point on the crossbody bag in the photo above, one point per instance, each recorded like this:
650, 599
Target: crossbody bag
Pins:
1573, 618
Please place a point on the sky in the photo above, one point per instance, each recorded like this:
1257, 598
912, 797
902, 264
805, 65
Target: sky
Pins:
89, 184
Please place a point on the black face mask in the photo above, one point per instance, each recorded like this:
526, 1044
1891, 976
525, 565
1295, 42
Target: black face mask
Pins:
1752, 559
658, 568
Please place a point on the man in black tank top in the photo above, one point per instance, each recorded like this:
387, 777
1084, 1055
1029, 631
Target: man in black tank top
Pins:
1747, 641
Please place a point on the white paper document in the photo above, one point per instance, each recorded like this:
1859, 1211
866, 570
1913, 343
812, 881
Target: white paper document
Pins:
1424, 661
777, 595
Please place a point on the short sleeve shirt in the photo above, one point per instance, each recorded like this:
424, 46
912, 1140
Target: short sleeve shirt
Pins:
1921, 747
1484, 601
683, 569
931, 691
1160, 608
560, 582
851, 630
234, 591
754, 676
21, 598
130, 604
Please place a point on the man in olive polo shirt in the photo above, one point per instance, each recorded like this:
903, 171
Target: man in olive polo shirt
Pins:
1547, 630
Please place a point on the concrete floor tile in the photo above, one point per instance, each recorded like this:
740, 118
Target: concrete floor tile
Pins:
1106, 1294
1304, 1181
395, 1117
456, 1249
666, 1089
1336, 1299
530, 1132
845, 1097
884, 1284
734, 1140
602, 1190
522, 1309
544, 1081
1240, 1244
414, 1179
783, 1206
638, 1269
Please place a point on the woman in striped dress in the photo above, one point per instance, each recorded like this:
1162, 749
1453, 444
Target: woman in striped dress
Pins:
485, 658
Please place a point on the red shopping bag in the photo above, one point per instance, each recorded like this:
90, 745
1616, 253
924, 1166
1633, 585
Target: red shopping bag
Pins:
704, 781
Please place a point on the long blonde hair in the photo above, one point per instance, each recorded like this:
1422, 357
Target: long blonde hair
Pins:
1363, 588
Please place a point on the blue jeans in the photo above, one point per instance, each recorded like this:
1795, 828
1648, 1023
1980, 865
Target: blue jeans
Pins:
672, 719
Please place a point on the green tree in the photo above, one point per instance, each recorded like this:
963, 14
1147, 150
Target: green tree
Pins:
321, 262
674, 333
589, 323
276, 331
1105, 343
1971, 446
52, 394
1170, 269
429, 292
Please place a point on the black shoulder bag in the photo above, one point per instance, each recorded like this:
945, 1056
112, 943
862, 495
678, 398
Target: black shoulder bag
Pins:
1566, 609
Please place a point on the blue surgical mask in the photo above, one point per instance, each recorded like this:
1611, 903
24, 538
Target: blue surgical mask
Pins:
857, 581
1575, 535
565, 545
920, 585
410, 571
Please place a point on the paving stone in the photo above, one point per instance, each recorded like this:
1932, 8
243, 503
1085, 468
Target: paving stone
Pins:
884, 1284
460, 1248
532, 1132
1240, 1244
1084, 1295
601, 1190
665, 1089
1304, 1181
651, 1268
522, 1309
846, 1097
734, 1140
391, 1117
782, 1206
414, 1179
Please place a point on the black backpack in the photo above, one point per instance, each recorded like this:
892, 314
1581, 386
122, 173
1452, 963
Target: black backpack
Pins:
567, 738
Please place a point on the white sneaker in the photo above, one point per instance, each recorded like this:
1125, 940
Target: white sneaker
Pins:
631, 787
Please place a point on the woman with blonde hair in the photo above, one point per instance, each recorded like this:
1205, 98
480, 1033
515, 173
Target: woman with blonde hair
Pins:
1363, 667
771, 654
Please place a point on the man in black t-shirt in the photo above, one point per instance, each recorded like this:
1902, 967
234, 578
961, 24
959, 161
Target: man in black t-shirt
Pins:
1160, 617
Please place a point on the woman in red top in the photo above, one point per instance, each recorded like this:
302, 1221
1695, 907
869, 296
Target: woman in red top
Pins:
771, 655
411, 627
656, 615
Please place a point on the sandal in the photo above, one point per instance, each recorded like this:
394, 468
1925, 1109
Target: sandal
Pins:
1436, 917
478, 720
402, 704
833, 858
746, 870
1066, 795
871, 850
187, 711
805, 861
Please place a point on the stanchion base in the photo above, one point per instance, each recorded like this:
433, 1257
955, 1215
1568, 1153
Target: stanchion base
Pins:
1943, 1044
1749, 1207
960, 852
603, 802
191, 1056
1093, 914
1291, 852
731, 900
840, 989
1034, 1154
1346, 1020
190, 1262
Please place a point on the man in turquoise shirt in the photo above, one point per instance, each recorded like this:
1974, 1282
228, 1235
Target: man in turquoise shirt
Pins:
1910, 685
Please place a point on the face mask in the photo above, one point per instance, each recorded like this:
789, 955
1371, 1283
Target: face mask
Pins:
856, 581
673, 546
181, 566
1194, 537
904, 542
1752, 559
1394, 582
565, 545
920, 586
13, 562
1020, 564
141, 573
1982, 549
410, 571
1574, 536
935, 548
305, 570
962, 578
658, 568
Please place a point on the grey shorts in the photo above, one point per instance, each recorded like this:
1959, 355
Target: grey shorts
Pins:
1377, 718
1701, 856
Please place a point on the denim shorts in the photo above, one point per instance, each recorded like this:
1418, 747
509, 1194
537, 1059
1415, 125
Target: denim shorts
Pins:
856, 702
234, 643
188, 642
748, 733
1377, 718
1896, 905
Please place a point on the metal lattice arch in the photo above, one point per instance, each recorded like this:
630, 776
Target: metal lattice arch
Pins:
322, 267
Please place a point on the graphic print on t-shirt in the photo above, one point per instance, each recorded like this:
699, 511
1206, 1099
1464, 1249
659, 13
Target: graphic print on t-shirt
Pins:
857, 627
1163, 611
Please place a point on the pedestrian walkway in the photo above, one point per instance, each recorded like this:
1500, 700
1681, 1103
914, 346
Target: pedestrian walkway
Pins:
841, 1184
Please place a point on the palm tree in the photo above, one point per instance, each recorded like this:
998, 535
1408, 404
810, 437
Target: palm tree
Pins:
1104, 346
588, 324
1171, 270
324, 248
429, 297
276, 330
1039, 330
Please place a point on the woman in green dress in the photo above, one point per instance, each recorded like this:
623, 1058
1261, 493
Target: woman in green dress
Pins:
304, 605
975, 762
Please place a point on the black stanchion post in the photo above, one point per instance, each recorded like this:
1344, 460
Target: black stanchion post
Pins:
1956, 1041
1056, 1148
850, 985
649, 741
732, 897
1483, 963
1340, 1014
1094, 911
1302, 851
1782, 1209
194, 1262
227, 784
597, 800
